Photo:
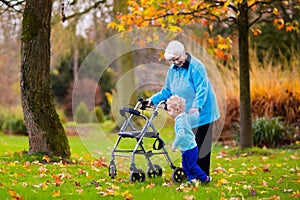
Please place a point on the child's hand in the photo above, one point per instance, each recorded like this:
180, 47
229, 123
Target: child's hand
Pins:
173, 149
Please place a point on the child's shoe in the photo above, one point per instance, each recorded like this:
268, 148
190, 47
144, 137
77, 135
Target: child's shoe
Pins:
192, 183
208, 179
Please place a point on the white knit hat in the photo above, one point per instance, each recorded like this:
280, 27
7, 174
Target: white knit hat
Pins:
174, 47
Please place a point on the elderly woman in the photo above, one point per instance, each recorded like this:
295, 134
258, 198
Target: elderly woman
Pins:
187, 78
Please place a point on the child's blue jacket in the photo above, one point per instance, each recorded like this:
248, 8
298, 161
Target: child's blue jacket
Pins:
185, 138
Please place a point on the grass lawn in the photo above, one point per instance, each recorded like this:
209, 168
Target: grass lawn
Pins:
250, 174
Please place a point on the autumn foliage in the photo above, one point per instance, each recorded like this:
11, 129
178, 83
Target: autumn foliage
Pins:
175, 15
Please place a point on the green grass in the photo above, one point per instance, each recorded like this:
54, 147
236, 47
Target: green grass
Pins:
240, 174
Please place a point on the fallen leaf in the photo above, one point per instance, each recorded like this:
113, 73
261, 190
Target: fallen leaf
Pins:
222, 181
167, 184
100, 162
266, 167
151, 185
14, 194
265, 183
294, 157
296, 194
231, 170
56, 193
253, 192
189, 197
45, 157
274, 197
79, 191
279, 180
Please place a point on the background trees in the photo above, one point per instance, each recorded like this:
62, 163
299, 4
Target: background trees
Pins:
240, 15
44, 128
214, 24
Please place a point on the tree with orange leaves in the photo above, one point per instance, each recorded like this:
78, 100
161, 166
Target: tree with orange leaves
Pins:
239, 14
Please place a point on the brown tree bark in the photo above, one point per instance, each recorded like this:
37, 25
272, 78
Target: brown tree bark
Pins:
245, 106
46, 134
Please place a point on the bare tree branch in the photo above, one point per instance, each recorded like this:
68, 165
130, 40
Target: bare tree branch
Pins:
16, 6
96, 5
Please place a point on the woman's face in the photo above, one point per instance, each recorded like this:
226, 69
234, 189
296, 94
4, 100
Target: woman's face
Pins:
178, 59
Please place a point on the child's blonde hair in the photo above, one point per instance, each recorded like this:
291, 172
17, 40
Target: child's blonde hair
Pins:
176, 103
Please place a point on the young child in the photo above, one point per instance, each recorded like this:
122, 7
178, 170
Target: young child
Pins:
185, 139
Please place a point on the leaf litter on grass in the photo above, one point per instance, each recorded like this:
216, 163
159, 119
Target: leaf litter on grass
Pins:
259, 176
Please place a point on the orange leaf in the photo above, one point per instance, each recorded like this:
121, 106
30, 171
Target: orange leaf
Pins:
151, 185
256, 32
56, 193
274, 197
100, 162
279, 23
289, 28
219, 53
14, 194
45, 157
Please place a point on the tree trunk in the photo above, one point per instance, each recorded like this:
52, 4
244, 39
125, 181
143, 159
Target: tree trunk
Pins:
245, 106
125, 63
46, 134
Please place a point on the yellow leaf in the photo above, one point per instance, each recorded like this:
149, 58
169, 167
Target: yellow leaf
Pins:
112, 25
222, 181
175, 28
223, 46
56, 193
278, 165
231, 170
276, 12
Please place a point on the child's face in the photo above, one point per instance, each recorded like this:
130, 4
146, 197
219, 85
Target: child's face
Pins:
173, 112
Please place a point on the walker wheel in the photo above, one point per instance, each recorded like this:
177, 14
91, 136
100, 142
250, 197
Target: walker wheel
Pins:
112, 171
178, 175
154, 172
137, 175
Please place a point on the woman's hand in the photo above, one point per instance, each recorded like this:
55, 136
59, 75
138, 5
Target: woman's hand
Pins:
193, 110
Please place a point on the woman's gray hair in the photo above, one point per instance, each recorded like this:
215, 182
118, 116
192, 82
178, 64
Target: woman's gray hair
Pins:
173, 48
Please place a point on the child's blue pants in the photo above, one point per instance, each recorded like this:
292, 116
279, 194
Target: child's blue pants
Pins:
190, 166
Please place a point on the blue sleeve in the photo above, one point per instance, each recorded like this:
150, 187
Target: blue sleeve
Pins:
164, 93
179, 137
194, 119
201, 85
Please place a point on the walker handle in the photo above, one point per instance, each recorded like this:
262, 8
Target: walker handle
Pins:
129, 110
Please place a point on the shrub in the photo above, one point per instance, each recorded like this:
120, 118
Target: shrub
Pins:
82, 113
97, 115
14, 126
270, 132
